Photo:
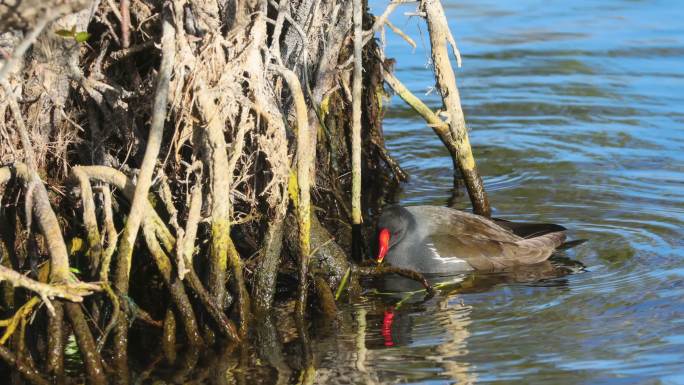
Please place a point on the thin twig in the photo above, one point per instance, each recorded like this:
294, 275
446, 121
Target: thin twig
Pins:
115, 10
401, 34
277, 30
125, 24
123, 53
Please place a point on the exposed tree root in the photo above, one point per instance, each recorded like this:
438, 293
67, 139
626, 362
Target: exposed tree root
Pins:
55, 352
86, 343
216, 159
305, 156
204, 157
70, 291
139, 201
30, 374
326, 299
175, 286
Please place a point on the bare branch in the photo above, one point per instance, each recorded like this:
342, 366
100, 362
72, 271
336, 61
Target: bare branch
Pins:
401, 34
440, 35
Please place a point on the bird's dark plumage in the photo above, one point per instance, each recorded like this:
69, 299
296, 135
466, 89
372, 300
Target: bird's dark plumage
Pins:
433, 239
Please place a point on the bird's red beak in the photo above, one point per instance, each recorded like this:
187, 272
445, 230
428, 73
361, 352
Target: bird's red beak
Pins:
383, 244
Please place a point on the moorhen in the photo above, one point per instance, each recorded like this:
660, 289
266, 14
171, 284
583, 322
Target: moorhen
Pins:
431, 239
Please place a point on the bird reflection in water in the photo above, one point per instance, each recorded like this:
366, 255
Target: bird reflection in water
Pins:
444, 319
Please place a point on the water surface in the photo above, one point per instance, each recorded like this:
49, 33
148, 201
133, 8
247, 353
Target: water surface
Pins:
576, 111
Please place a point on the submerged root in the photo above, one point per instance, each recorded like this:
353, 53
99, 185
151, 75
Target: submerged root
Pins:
175, 286
169, 337
407, 273
326, 299
29, 373
91, 357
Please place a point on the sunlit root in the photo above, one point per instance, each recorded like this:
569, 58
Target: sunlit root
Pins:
158, 229
217, 166
401, 34
41, 209
305, 155
89, 218
71, 291
139, 199
221, 251
169, 337
21, 315
112, 234
167, 197
186, 246
357, 219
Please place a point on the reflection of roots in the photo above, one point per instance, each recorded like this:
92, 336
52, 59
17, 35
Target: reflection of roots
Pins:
455, 326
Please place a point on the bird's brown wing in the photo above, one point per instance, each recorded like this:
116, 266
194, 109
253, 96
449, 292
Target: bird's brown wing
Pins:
438, 220
528, 230
488, 254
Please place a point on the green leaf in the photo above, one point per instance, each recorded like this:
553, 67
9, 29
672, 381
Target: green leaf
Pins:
82, 36
64, 33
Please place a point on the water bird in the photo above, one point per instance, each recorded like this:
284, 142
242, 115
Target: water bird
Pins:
432, 239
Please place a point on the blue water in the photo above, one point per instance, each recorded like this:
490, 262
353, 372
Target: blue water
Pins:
576, 112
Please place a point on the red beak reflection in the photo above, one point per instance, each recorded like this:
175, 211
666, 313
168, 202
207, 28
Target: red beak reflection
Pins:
386, 329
